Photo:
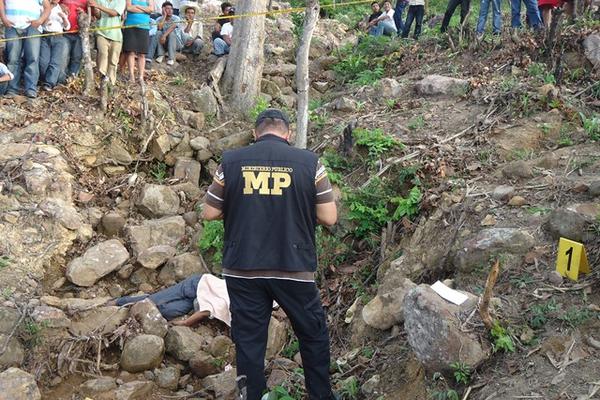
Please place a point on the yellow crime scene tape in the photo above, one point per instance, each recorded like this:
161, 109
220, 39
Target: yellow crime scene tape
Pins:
203, 19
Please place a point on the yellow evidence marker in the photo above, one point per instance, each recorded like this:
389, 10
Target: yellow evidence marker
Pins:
571, 259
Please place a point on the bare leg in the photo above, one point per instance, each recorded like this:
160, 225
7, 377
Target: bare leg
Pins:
547, 16
142, 66
131, 65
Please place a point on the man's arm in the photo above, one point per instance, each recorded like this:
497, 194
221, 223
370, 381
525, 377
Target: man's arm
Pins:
215, 197
227, 39
36, 23
211, 213
3, 17
5, 78
327, 213
134, 9
106, 10
192, 319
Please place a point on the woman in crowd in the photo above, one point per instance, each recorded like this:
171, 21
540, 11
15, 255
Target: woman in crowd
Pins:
136, 35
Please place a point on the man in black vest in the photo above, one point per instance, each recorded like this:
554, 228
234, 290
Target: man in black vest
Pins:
271, 197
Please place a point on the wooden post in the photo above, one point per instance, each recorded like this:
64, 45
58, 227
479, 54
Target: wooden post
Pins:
484, 305
302, 79
84, 21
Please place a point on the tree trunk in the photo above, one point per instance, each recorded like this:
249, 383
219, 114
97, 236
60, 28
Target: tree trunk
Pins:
302, 79
84, 31
243, 75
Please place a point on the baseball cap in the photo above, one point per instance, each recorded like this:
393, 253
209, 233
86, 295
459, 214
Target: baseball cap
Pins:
272, 113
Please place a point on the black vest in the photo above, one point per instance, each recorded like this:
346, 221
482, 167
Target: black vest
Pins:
270, 207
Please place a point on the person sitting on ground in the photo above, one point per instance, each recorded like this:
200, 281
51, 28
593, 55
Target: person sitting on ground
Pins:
384, 24
205, 294
416, 11
108, 41
222, 44
168, 36
374, 15
5, 77
23, 21
191, 31
452, 5
225, 10
54, 49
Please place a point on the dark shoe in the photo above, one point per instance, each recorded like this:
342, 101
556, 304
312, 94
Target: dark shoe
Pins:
46, 88
10, 95
31, 94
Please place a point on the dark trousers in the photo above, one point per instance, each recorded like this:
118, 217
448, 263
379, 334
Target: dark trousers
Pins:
251, 306
172, 302
400, 6
464, 9
415, 13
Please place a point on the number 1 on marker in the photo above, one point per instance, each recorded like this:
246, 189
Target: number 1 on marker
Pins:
571, 259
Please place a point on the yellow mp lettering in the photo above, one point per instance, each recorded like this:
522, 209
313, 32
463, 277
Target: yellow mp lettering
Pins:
254, 181
281, 180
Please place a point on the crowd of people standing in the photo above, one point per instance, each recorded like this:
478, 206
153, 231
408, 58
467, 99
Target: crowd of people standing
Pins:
44, 46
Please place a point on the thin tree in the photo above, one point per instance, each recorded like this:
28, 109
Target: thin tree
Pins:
311, 17
243, 75
84, 20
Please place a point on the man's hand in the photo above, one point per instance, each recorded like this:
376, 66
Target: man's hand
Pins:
92, 3
163, 39
189, 42
36, 23
6, 22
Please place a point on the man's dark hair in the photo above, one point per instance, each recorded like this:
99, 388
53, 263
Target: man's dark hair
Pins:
374, 3
272, 118
166, 4
224, 5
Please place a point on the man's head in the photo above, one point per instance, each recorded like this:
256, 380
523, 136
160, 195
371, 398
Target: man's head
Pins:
272, 121
225, 7
375, 6
387, 5
190, 13
167, 8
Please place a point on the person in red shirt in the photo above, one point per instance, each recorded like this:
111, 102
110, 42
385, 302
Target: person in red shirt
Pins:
75, 53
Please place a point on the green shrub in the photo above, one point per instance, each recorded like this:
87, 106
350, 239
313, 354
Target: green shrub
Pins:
261, 105
462, 372
376, 142
212, 239
409, 206
502, 339
591, 126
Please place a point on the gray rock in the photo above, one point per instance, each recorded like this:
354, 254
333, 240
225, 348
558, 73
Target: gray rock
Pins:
168, 231
50, 317
99, 389
595, 188
270, 88
433, 328
142, 353
196, 120
567, 224
63, 212
517, 170
233, 141
277, 338
389, 88
125, 271
223, 384
149, 375
221, 347
16, 384
555, 278
154, 257
503, 192
591, 46
179, 268
277, 377
151, 320
8, 319
112, 223
199, 143
101, 320
203, 364
168, 378
74, 305
158, 201
117, 154
371, 386
441, 85
96, 262
284, 69
386, 310
487, 243
182, 342
345, 104
204, 101
14, 354
188, 170
135, 390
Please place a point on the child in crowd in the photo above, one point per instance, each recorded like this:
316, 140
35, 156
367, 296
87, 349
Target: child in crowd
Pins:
54, 50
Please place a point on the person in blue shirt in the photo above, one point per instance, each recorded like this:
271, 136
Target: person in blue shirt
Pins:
136, 35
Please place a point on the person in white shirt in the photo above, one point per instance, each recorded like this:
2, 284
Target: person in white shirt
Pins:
385, 25
222, 44
191, 29
416, 11
54, 49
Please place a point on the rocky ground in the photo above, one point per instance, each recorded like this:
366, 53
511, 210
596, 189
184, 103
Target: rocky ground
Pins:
97, 205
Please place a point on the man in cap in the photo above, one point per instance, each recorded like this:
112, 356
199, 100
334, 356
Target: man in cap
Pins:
191, 30
271, 196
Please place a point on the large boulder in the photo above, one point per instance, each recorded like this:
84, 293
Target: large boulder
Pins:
155, 256
591, 46
387, 309
142, 353
165, 231
9, 317
204, 101
182, 342
96, 262
232, 141
203, 364
74, 305
16, 384
151, 320
135, 390
441, 85
13, 355
99, 321
277, 338
567, 224
179, 268
432, 325
50, 317
99, 388
477, 251
187, 170
158, 201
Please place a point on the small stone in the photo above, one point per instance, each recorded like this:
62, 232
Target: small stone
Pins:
16, 384
371, 386
168, 378
96, 262
221, 347
517, 201
203, 364
112, 223
187, 170
142, 352
59, 283
135, 390
555, 278
595, 188
149, 317
116, 291
489, 220
183, 343
155, 256
95, 388
517, 170
149, 375
580, 188
158, 201
146, 287
125, 271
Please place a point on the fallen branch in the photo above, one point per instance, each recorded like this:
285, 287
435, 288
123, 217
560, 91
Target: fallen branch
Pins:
484, 304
